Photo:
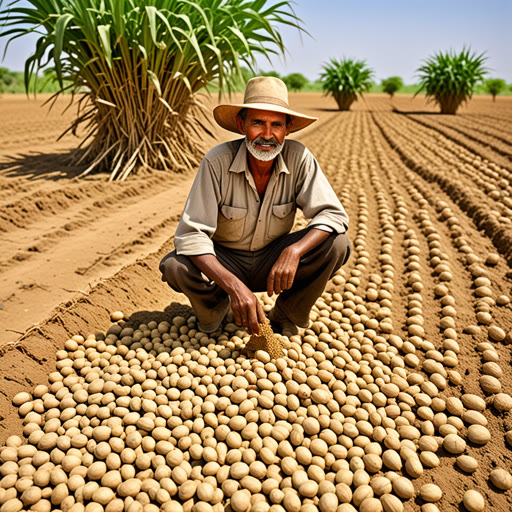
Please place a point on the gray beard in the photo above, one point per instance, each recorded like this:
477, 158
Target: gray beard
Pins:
264, 156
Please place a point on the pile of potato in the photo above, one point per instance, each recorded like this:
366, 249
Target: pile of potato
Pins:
165, 417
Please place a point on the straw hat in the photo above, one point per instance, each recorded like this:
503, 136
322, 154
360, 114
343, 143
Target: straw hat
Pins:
262, 93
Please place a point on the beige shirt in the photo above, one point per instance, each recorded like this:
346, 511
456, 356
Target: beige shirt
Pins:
224, 205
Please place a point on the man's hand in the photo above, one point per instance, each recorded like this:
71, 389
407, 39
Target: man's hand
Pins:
246, 308
283, 272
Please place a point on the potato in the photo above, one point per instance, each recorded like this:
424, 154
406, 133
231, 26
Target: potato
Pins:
163, 415
430, 492
403, 487
501, 478
454, 444
473, 501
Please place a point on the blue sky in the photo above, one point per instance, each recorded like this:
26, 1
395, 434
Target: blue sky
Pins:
394, 36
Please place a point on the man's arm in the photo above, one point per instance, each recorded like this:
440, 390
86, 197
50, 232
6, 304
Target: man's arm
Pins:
199, 217
246, 307
321, 206
317, 199
283, 272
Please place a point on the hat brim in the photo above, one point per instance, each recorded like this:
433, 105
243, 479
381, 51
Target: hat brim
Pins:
225, 115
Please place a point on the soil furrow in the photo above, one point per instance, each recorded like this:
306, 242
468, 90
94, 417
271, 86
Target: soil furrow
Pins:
471, 144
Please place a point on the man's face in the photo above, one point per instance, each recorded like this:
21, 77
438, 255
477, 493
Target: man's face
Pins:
265, 132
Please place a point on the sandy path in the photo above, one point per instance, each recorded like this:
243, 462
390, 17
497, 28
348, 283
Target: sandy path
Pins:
42, 268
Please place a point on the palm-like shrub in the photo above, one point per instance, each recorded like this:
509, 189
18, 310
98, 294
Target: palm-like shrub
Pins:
139, 65
345, 79
494, 86
449, 78
392, 84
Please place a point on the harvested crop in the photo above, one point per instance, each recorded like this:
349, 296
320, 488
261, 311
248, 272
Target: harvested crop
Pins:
473, 501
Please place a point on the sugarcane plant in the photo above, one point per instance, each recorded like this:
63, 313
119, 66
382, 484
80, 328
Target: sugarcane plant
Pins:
137, 66
449, 78
345, 79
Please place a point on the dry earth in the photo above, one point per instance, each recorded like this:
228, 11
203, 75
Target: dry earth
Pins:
436, 189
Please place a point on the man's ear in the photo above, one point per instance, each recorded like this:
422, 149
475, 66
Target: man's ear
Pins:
241, 124
288, 128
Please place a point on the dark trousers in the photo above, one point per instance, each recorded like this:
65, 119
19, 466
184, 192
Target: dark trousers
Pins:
211, 303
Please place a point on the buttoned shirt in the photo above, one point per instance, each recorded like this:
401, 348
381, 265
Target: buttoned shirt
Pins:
224, 205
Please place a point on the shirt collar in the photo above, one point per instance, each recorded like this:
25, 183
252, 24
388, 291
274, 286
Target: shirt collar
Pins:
239, 163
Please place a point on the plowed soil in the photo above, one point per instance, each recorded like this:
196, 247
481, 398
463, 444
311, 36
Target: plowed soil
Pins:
430, 202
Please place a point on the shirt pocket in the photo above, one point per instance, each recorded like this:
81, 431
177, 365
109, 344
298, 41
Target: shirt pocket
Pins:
281, 221
230, 224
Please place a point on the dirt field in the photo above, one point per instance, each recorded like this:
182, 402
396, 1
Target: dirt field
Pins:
430, 203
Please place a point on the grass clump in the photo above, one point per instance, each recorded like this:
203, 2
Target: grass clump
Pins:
345, 79
449, 78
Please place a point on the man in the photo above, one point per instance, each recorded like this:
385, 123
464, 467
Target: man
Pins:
234, 237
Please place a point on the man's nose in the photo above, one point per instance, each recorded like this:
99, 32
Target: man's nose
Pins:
267, 131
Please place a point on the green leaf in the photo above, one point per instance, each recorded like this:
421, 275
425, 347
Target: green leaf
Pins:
155, 82
151, 12
60, 30
104, 33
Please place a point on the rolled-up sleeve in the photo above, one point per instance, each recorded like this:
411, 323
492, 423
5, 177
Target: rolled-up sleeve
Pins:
317, 199
198, 221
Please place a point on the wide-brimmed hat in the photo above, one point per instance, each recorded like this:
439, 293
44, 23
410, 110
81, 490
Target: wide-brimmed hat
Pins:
262, 93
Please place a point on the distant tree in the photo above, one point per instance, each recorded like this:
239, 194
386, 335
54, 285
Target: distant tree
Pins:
269, 73
13, 82
8, 80
243, 77
494, 86
247, 74
345, 79
295, 81
6, 77
449, 78
392, 84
